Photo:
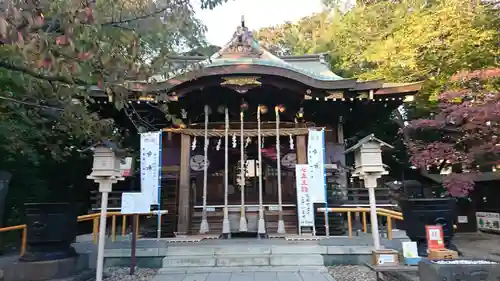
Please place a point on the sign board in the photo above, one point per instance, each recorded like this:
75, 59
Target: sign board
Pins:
410, 249
126, 165
434, 234
151, 165
305, 208
135, 203
488, 221
463, 219
385, 259
316, 162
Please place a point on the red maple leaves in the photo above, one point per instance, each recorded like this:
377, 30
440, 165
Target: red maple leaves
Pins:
462, 134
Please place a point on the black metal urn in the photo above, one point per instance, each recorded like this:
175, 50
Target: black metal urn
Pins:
419, 212
51, 231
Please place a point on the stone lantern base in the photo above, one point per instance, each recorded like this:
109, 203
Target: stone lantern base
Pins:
68, 269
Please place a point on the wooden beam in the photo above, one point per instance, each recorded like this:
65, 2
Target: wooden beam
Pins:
301, 150
246, 133
184, 211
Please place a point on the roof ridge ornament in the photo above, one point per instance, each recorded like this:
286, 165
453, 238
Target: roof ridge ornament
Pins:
242, 44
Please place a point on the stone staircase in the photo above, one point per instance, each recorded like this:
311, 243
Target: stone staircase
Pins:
238, 258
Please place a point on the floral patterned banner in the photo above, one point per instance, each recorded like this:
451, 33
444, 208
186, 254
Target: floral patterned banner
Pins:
151, 165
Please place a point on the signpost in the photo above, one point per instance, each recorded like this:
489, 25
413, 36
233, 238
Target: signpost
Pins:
134, 203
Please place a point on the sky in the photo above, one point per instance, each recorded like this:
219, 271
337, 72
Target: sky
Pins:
223, 20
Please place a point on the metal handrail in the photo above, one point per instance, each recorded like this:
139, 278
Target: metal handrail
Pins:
90, 217
389, 214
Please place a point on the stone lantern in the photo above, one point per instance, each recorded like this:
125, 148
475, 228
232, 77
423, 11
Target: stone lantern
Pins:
369, 167
105, 171
107, 159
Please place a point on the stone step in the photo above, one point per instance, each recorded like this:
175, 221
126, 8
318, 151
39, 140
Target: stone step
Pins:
244, 250
297, 260
235, 269
189, 261
229, 260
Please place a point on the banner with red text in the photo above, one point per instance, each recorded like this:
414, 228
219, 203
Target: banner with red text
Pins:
305, 208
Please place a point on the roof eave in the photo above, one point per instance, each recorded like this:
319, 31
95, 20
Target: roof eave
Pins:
400, 88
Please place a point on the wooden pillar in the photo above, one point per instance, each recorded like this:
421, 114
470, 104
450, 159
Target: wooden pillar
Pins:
184, 211
301, 150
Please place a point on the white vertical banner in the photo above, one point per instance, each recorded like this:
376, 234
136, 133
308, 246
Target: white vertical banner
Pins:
150, 165
305, 208
316, 162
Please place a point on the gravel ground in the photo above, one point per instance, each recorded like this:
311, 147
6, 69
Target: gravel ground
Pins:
352, 273
122, 274
339, 273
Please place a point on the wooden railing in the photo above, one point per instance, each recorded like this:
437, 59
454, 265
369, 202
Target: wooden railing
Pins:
95, 227
389, 214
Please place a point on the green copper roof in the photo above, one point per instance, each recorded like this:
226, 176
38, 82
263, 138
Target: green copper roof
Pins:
274, 63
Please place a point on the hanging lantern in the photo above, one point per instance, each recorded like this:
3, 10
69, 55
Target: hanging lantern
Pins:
263, 109
280, 108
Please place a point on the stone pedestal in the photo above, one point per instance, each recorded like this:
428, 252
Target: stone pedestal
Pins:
73, 268
463, 270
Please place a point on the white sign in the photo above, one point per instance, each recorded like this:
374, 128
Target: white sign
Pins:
135, 203
126, 166
435, 234
410, 249
316, 162
151, 165
305, 208
384, 258
488, 221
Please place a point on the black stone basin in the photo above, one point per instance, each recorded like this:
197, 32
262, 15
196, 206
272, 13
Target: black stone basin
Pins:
51, 231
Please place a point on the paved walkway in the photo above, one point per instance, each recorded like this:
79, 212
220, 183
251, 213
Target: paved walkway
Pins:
247, 276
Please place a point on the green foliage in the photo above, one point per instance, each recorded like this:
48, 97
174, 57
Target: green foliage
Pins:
51, 52
399, 41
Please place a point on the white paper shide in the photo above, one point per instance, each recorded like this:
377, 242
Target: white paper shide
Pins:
305, 206
150, 165
316, 162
